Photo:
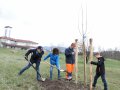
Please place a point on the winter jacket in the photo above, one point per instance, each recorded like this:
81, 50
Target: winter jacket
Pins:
34, 54
70, 56
54, 59
100, 69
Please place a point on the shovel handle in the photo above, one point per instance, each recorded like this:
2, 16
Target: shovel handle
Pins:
55, 67
33, 66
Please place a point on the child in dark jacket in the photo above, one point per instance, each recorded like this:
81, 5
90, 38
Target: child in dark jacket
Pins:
70, 60
100, 70
36, 55
54, 60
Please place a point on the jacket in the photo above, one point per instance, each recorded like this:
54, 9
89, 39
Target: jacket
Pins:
100, 69
54, 59
34, 54
70, 56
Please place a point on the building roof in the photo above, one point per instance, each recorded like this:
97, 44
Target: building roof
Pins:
7, 27
18, 40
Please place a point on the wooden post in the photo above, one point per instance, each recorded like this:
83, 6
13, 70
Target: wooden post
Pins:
84, 56
91, 58
76, 61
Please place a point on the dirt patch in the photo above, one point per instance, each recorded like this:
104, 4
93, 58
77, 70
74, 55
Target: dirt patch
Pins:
61, 85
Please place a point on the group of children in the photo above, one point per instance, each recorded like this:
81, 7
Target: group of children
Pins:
36, 55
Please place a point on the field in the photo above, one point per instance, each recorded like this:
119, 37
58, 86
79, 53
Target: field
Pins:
11, 61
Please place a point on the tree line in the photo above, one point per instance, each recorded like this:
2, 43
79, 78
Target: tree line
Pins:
112, 54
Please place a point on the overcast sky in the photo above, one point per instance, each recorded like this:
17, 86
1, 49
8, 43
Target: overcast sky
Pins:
55, 22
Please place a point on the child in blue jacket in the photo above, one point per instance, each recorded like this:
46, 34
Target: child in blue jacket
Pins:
54, 60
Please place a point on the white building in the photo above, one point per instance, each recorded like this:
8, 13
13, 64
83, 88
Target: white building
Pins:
16, 43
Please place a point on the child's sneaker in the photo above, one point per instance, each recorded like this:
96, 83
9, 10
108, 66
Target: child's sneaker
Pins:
69, 78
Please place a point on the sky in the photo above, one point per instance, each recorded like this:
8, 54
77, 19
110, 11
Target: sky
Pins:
59, 22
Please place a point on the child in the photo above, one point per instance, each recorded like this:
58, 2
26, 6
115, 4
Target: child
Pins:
70, 60
54, 60
100, 70
36, 55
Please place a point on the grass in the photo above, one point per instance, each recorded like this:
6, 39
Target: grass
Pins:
11, 61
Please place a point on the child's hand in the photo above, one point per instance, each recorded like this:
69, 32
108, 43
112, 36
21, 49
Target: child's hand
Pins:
26, 57
73, 53
90, 62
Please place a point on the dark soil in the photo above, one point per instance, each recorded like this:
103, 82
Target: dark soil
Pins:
61, 85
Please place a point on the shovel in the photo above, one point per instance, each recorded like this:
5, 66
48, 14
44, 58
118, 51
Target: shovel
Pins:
42, 79
55, 67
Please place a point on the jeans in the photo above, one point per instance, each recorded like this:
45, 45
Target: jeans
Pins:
103, 80
51, 70
37, 62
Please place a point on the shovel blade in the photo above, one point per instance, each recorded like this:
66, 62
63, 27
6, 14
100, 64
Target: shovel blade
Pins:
43, 79
62, 70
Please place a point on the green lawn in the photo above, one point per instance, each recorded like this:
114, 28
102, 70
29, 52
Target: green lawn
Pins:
11, 61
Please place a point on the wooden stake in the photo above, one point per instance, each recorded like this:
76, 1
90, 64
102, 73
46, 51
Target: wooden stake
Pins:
76, 61
91, 58
84, 56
